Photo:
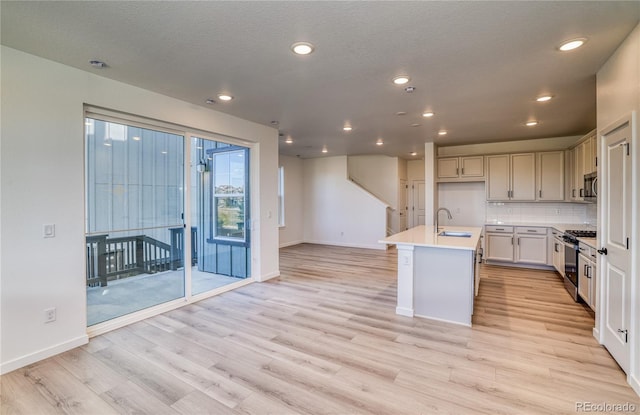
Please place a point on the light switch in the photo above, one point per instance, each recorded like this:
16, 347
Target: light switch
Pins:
49, 230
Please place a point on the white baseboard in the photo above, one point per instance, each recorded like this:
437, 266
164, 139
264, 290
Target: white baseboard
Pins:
444, 321
269, 276
596, 334
635, 383
380, 247
402, 311
286, 244
42, 354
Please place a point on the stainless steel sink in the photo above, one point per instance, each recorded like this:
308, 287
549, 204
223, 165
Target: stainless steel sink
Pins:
457, 234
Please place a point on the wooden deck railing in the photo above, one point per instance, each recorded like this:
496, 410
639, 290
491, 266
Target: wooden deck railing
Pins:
114, 258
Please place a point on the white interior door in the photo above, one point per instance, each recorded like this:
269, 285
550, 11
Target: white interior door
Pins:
616, 229
403, 205
418, 201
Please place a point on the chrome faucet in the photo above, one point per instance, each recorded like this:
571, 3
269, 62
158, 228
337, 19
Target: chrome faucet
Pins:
436, 216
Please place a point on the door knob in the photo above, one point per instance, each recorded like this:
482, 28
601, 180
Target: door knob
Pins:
602, 251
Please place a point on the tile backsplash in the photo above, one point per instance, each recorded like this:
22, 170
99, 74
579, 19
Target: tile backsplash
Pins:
541, 212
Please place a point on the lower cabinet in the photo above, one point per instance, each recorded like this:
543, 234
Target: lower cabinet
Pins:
526, 245
499, 247
587, 278
558, 256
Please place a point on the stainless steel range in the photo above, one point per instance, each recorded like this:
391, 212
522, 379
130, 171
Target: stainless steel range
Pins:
571, 252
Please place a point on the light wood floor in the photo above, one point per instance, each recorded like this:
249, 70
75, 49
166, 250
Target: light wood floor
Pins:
324, 339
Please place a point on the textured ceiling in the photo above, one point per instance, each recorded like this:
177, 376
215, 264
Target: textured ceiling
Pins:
477, 65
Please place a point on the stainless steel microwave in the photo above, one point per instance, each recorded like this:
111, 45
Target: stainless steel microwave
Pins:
591, 187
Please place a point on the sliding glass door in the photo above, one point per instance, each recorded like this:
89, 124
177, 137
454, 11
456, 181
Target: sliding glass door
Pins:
134, 218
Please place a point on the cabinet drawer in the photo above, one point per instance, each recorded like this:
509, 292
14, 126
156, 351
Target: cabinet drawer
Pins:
535, 231
498, 228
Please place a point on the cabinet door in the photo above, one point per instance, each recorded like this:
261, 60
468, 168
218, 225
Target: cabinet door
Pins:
558, 256
531, 249
578, 172
472, 166
523, 178
584, 280
594, 153
448, 168
551, 176
498, 177
588, 156
499, 247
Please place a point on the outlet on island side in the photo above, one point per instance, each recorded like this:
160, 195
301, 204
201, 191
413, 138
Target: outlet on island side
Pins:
50, 315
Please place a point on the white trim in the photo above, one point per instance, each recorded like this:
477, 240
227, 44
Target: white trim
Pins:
286, 244
269, 276
634, 382
402, 311
42, 354
377, 246
457, 323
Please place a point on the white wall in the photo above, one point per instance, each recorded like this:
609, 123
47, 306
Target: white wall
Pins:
377, 174
42, 183
618, 93
466, 201
336, 211
415, 170
293, 231
540, 144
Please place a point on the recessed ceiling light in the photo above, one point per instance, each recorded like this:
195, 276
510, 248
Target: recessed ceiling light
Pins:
532, 123
324, 149
97, 64
413, 153
442, 132
401, 80
347, 128
544, 98
302, 48
572, 44
410, 89
224, 97
428, 114
379, 142
415, 125
289, 140
210, 101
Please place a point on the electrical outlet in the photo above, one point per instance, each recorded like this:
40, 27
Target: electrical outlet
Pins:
49, 230
50, 315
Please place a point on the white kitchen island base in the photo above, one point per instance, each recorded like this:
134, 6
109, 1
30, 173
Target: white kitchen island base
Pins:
436, 274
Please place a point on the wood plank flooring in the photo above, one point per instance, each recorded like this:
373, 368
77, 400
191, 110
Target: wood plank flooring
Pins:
324, 339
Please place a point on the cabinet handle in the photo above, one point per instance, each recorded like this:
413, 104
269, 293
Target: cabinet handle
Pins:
540, 193
463, 171
518, 241
457, 171
512, 240
573, 192
556, 247
581, 192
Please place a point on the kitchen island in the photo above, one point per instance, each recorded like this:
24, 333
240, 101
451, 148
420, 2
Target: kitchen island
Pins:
437, 272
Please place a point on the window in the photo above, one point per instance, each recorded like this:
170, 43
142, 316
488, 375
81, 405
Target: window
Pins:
229, 186
281, 196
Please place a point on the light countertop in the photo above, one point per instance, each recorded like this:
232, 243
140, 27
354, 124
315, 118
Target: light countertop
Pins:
426, 236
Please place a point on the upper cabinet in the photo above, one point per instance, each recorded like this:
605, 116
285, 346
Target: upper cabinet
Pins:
465, 169
585, 161
511, 177
550, 172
